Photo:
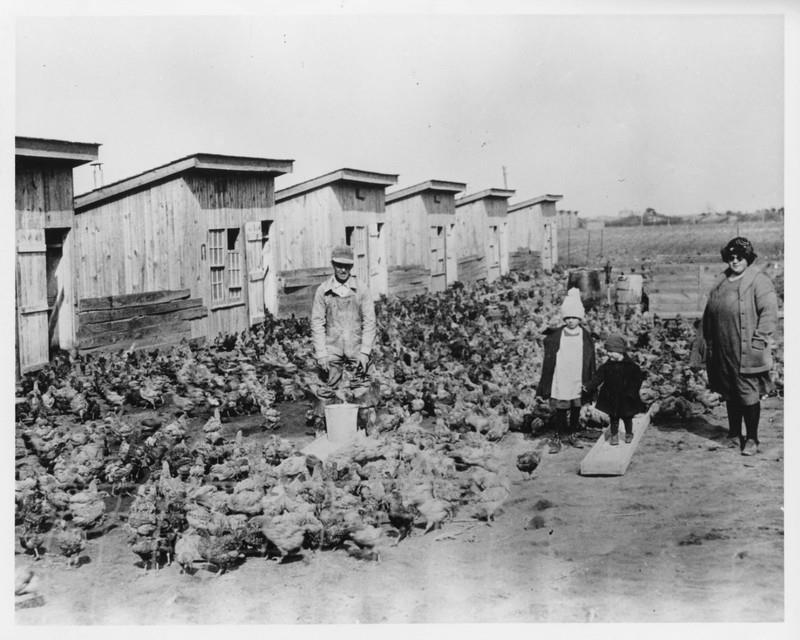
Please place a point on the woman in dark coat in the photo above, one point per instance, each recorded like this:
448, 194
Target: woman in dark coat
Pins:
735, 334
619, 380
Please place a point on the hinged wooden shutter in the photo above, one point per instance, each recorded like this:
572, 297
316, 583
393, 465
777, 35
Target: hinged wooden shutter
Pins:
451, 260
361, 267
32, 331
255, 271
379, 278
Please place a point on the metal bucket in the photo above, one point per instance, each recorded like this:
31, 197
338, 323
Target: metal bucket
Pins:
341, 421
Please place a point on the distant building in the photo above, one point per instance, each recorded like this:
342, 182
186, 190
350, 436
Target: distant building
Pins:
482, 234
346, 206
421, 237
533, 233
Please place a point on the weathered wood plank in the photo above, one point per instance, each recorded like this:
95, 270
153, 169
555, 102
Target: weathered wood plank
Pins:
91, 317
132, 299
472, 268
604, 459
304, 277
140, 322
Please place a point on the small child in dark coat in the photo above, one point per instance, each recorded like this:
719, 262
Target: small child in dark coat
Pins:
619, 380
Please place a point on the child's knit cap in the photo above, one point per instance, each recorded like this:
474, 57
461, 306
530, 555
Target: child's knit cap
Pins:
616, 342
572, 307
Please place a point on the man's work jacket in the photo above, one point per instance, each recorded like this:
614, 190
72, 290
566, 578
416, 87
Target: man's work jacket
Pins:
342, 319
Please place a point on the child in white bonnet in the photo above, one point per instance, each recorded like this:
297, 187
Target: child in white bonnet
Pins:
568, 366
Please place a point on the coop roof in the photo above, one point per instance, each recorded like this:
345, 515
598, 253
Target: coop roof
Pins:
486, 193
197, 161
428, 185
548, 197
70, 153
340, 175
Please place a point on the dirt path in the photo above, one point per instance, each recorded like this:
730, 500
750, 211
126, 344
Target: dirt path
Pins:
693, 532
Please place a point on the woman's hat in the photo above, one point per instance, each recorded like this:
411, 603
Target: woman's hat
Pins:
616, 342
739, 247
572, 307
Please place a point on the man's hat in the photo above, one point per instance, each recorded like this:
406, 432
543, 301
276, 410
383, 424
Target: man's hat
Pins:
342, 255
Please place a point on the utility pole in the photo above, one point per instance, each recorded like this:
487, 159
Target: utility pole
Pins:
588, 244
569, 252
505, 178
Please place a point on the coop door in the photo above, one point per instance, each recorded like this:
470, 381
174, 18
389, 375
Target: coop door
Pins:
60, 314
438, 260
255, 271
450, 257
493, 254
33, 338
378, 273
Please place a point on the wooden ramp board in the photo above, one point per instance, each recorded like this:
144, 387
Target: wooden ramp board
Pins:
604, 459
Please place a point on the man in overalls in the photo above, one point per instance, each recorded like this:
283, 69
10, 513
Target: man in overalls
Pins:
343, 330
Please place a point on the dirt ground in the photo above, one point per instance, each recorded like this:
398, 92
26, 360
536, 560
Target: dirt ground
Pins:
693, 532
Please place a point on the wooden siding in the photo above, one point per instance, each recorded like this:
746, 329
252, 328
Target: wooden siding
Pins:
312, 223
409, 280
526, 229
409, 220
43, 195
474, 235
149, 319
472, 268
296, 290
153, 240
524, 260
308, 227
471, 230
407, 233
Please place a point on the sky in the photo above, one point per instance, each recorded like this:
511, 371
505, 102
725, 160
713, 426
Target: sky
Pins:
682, 113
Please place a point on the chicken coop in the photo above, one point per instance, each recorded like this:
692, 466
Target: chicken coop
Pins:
421, 237
533, 230
482, 234
183, 250
346, 206
45, 247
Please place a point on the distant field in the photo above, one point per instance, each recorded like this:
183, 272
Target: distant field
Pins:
632, 245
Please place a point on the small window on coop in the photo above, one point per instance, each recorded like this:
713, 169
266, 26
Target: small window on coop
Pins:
234, 266
216, 257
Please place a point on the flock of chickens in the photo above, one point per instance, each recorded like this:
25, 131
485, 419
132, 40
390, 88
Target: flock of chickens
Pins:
454, 371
